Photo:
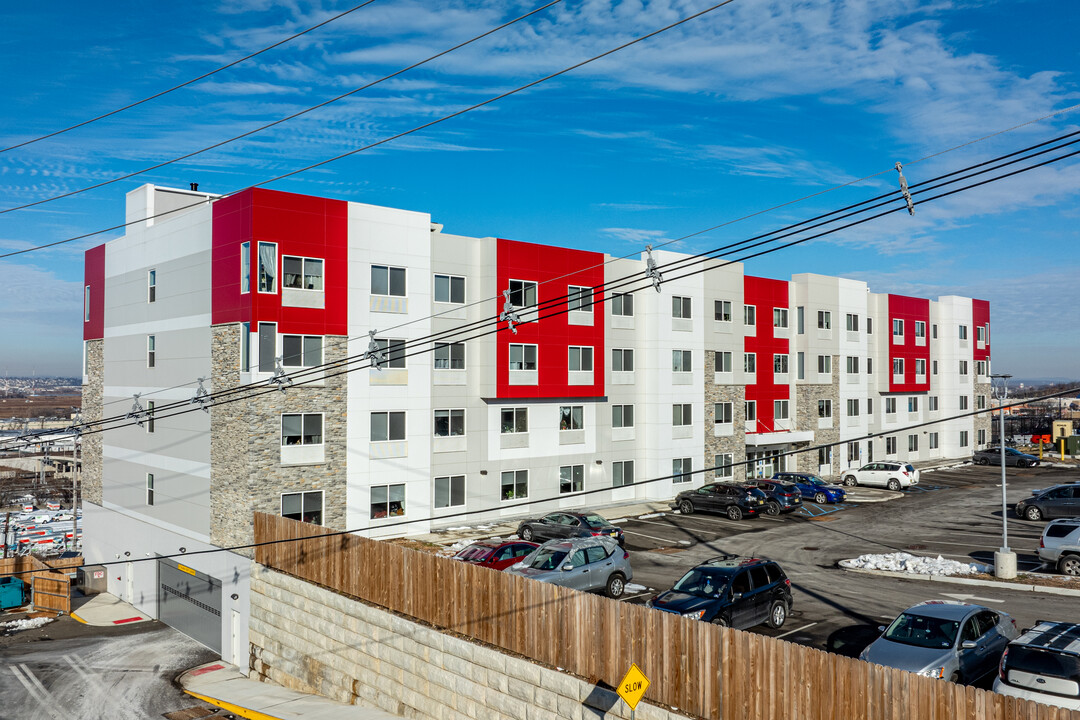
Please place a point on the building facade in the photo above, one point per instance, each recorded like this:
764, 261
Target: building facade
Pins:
269, 301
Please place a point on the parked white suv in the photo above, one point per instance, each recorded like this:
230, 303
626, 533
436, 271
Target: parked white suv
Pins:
892, 475
1060, 545
1043, 665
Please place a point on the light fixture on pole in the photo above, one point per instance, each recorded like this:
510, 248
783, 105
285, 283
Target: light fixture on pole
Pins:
1004, 559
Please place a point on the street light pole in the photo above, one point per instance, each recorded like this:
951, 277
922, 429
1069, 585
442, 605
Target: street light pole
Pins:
1004, 559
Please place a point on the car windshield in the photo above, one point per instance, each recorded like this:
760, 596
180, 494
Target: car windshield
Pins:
922, 631
547, 559
595, 521
475, 553
702, 584
814, 480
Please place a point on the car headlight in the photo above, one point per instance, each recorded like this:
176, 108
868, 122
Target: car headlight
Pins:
696, 615
934, 672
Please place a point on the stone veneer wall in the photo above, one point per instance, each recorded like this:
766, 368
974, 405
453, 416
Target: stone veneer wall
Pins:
735, 443
985, 420
806, 418
246, 473
311, 639
93, 398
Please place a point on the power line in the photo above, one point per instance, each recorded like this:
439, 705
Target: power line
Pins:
183, 84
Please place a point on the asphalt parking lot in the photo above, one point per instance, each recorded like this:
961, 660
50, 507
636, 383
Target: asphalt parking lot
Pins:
955, 513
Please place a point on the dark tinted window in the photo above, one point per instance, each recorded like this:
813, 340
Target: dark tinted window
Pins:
774, 571
505, 553
972, 629
741, 583
759, 576
1057, 531
1059, 493
988, 620
1042, 662
595, 553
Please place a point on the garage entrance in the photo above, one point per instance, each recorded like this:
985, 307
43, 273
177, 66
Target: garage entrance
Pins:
190, 601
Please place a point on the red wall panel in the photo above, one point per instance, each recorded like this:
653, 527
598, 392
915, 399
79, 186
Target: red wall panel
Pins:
94, 277
980, 316
908, 309
765, 294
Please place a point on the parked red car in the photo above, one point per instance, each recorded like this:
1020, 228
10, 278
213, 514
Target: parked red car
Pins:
495, 554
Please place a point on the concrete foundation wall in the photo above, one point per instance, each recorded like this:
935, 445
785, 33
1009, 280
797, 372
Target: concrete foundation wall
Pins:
311, 639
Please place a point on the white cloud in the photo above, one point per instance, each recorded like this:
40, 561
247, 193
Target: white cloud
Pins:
634, 235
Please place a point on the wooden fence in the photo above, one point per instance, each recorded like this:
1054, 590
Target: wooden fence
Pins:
51, 587
702, 669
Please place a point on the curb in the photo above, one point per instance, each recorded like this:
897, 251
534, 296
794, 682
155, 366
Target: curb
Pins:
964, 581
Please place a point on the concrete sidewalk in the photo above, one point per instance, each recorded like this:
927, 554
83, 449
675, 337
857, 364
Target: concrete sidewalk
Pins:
222, 684
106, 610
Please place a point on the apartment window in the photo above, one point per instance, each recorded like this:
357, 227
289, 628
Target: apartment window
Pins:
824, 456
898, 366
890, 446
750, 362
722, 362
869, 329
245, 347
722, 309
151, 351
920, 366
963, 332
780, 363
682, 470
580, 359
622, 416
980, 402
824, 364
932, 442
981, 437
622, 473
149, 488
149, 416
622, 304
913, 443
724, 413
680, 307
853, 407
920, 329
980, 333
869, 366
800, 363
913, 404
980, 367
245, 267
749, 315
750, 410
86, 304
387, 426
386, 280
303, 506
824, 319
852, 365
450, 289
301, 350
571, 417
579, 298
933, 332
963, 367
449, 491
963, 438
780, 317
622, 360
394, 352
780, 409
267, 267
890, 406
571, 478
933, 367
514, 485
723, 465
824, 408
449, 423
682, 361
852, 452
450, 356
301, 273
514, 420
302, 429
522, 357
932, 403
963, 402
898, 327
387, 501
151, 286
800, 319
682, 414
851, 322
870, 410
522, 293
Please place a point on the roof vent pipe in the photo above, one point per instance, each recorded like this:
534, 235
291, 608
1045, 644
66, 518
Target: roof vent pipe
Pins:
194, 187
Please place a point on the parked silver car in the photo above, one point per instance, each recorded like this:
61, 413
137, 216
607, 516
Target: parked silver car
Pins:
592, 563
944, 639
1060, 545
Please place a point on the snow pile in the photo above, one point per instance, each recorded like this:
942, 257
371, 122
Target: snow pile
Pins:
25, 624
633, 587
651, 515
906, 562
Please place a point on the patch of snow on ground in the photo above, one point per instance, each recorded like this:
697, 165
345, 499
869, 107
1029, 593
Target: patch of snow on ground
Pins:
26, 624
906, 562
633, 587
651, 515
616, 521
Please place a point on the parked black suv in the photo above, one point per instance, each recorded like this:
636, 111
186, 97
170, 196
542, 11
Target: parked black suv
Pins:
1052, 502
735, 500
783, 497
732, 591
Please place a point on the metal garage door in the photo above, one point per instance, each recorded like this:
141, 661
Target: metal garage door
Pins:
190, 601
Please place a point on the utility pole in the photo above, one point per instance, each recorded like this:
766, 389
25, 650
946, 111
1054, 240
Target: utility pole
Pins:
1004, 559
7, 526
76, 475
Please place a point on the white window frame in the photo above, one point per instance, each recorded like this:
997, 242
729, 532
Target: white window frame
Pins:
824, 409
853, 364
913, 443
245, 268
890, 445
151, 351
824, 320
576, 480
920, 329
524, 357
723, 413
579, 298
515, 483
387, 487
619, 471
449, 480
898, 327
585, 352
394, 349
898, 366
449, 290
621, 423
682, 307
964, 402
388, 414
451, 414
750, 362
682, 414
749, 314
722, 361
890, 406
276, 278
750, 410
520, 291
150, 489
304, 273
963, 331
625, 357
932, 403
303, 504
389, 289
682, 470
303, 421
685, 362
913, 404
963, 438
781, 364
920, 366
781, 410
724, 465
620, 303
933, 442
151, 285
853, 407
86, 303
524, 412
149, 416
780, 318
722, 310
303, 351
448, 348
576, 415
852, 322
963, 368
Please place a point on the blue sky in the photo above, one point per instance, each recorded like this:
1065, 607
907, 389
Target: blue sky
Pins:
753, 105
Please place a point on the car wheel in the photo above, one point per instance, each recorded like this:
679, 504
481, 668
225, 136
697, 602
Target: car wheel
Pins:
772, 508
1069, 565
777, 614
821, 498
527, 534
954, 678
722, 621
616, 585
1033, 513
982, 461
686, 507
734, 512
849, 480
894, 485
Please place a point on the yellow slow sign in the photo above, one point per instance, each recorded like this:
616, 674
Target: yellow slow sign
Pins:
633, 686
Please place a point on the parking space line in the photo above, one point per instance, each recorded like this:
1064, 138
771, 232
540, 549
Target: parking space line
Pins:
652, 537
631, 597
792, 632
36, 689
711, 519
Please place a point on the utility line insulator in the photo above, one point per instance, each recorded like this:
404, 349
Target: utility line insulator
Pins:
904, 189
137, 412
202, 398
375, 354
280, 378
509, 313
651, 270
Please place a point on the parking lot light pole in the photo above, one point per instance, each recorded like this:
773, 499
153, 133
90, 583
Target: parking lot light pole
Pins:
1004, 559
